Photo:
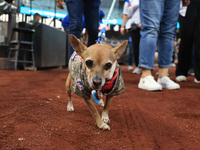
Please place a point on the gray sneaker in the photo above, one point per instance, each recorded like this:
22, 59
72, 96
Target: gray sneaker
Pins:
181, 78
137, 70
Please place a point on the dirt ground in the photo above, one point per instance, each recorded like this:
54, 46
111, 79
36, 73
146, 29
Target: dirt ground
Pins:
33, 115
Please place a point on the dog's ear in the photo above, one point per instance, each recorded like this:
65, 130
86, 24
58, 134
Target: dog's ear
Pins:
77, 45
120, 49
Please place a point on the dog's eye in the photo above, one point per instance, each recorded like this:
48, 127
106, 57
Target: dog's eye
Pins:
107, 66
89, 63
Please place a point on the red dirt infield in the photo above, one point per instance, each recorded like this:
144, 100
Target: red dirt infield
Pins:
33, 115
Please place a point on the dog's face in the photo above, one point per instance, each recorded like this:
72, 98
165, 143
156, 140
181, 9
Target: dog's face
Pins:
99, 60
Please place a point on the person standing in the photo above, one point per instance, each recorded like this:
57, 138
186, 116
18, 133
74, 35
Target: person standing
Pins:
131, 16
159, 19
190, 34
76, 9
36, 19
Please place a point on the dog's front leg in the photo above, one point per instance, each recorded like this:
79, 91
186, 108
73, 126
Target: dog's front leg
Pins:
105, 112
96, 115
68, 86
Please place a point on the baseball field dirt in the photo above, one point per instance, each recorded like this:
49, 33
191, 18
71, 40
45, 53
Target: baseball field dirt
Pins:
33, 115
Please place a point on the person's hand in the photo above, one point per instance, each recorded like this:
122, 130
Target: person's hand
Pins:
60, 3
185, 2
140, 25
122, 30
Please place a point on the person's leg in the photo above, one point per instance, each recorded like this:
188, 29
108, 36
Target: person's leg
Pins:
130, 56
136, 43
191, 70
135, 34
151, 12
166, 42
75, 10
150, 15
167, 35
91, 12
187, 24
197, 45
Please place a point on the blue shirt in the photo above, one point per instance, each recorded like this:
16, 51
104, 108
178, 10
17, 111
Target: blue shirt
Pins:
101, 15
65, 22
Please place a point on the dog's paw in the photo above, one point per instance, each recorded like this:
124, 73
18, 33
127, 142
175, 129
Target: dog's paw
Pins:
101, 103
104, 126
105, 117
70, 107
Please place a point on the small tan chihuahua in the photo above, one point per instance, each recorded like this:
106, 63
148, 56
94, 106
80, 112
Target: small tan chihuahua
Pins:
95, 68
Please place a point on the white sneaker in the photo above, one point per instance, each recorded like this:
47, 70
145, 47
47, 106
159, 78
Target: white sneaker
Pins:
130, 67
181, 78
137, 70
167, 83
196, 81
148, 83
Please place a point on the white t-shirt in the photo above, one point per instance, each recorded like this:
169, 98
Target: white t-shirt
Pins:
183, 10
132, 11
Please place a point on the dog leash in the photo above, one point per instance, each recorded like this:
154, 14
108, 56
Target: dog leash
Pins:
102, 33
100, 36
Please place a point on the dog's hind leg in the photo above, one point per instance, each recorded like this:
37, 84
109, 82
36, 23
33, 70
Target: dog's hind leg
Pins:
96, 115
68, 87
105, 112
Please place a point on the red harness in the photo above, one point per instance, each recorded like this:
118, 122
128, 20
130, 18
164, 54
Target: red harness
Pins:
109, 84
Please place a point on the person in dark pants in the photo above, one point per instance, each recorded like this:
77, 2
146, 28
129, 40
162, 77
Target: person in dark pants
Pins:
190, 34
131, 17
135, 35
76, 9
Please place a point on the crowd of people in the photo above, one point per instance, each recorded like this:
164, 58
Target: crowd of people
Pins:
151, 26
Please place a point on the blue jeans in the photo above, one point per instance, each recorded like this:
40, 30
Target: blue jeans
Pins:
76, 9
159, 19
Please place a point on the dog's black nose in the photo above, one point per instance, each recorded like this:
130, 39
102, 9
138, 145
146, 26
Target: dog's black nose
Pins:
97, 82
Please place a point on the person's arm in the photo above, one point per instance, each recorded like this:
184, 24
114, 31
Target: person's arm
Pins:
185, 2
60, 3
125, 19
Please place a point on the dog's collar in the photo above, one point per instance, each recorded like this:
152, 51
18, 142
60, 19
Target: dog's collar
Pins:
109, 84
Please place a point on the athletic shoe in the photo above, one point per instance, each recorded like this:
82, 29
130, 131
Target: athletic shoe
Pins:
130, 67
196, 81
137, 70
167, 83
181, 78
191, 72
148, 83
